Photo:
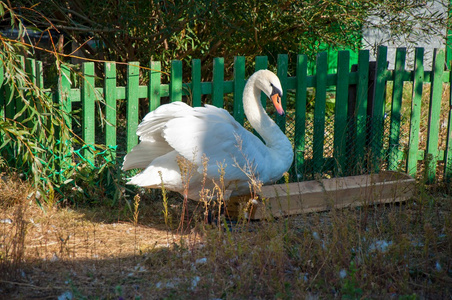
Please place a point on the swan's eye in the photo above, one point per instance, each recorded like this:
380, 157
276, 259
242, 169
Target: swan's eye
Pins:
275, 90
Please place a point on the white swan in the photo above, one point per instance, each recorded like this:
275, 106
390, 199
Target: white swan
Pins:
178, 130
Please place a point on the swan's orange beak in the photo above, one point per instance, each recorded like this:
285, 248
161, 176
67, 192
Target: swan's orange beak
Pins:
277, 103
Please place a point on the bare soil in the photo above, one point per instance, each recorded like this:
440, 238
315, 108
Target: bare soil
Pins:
392, 251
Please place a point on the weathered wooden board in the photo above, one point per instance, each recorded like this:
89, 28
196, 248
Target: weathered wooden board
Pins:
319, 195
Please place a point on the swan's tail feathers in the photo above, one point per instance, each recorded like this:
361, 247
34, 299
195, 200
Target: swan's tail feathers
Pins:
143, 154
144, 179
150, 177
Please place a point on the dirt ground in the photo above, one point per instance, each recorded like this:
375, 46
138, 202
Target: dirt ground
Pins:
47, 246
102, 253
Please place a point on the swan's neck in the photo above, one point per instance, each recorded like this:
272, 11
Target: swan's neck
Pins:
257, 116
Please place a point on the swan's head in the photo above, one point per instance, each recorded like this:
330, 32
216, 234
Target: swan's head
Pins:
269, 83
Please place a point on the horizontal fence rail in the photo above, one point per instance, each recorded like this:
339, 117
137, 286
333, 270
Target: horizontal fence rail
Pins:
361, 119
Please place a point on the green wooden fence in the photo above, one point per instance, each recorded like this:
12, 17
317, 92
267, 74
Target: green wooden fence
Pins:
344, 123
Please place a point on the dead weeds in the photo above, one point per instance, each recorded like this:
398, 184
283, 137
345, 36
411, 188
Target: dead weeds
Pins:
398, 251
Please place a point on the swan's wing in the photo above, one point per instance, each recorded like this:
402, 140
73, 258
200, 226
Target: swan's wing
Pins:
152, 144
213, 132
150, 129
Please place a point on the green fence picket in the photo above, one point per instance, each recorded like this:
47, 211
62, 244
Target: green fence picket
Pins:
88, 101
340, 112
30, 69
217, 82
19, 115
196, 83
378, 109
176, 81
434, 113
319, 111
63, 93
415, 120
110, 106
360, 109
39, 75
283, 65
396, 105
154, 84
448, 151
63, 99
133, 80
9, 102
2, 86
239, 85
300, 115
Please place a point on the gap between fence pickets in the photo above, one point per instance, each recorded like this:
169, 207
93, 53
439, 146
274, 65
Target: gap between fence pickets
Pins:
321, 195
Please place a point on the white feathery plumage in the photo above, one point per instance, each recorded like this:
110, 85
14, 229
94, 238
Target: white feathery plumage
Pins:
178, 130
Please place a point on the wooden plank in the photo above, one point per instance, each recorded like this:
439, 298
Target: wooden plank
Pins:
196, 82
313, 196
239, 85
133, 80
88, 100
154, 85
300, 115
110, 106
217, 82
396, 105
415, 120
340, 113
378, 109
434, 114
319, 111
176, 81
361, 118
261, 63
283, 62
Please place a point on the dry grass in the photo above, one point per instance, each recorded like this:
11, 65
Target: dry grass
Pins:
399, 251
